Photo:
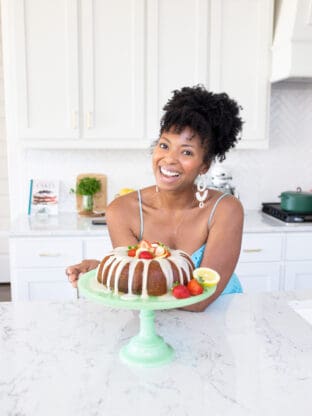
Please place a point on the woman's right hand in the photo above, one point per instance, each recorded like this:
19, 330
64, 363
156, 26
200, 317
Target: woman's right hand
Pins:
73, 272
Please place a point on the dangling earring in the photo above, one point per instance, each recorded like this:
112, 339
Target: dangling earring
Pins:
202, 191
157, 190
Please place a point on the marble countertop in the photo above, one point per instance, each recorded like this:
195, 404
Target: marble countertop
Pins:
245, 355
71, 224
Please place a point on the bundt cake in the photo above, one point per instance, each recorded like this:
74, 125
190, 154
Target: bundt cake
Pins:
146, 269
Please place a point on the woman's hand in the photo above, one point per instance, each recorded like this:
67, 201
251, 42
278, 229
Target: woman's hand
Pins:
73, 272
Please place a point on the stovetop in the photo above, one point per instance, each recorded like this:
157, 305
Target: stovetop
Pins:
274, 210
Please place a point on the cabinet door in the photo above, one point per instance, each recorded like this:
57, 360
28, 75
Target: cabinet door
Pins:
177, 52
241, 36
113, 71
44, 40
298, 275
42, 284
259, 277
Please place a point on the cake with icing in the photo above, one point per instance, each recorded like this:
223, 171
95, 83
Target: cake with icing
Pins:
146, 269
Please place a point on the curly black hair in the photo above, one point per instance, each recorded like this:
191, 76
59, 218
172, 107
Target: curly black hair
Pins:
214, 117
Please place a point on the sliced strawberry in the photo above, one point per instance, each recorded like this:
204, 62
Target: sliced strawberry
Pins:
145, 244
132, 252
147, 255
194, 287
181, 292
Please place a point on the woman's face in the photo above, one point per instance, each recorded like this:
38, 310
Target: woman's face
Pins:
178, 159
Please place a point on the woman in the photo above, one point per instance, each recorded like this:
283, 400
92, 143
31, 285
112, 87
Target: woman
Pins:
196, 128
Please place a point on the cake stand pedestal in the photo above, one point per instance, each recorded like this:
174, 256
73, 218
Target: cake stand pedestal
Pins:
146, 349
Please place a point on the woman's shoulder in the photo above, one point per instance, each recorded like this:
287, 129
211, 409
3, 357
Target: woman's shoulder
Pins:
226, 205
128, 201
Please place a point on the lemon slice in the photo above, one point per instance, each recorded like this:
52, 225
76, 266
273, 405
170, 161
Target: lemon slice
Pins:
206, 277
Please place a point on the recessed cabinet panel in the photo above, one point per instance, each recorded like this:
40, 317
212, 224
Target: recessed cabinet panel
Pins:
298, 275
259, 277
299, 246
113, 69
241, 35
46, 53
182, 46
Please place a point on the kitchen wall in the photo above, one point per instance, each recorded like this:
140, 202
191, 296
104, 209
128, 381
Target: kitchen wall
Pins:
259, 175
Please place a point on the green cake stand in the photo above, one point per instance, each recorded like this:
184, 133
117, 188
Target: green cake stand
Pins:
146, 349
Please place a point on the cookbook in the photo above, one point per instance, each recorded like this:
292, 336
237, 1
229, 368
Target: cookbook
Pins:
43, 197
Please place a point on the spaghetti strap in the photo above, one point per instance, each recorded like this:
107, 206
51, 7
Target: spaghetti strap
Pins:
141, 215
215, 207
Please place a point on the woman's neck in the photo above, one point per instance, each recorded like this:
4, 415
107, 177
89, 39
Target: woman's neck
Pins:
177, 201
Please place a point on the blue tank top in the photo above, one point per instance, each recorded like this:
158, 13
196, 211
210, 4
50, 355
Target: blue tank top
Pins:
233, 285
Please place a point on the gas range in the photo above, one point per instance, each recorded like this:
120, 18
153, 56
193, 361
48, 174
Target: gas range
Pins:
274, 210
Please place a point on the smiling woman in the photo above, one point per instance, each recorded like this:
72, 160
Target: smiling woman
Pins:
197, 127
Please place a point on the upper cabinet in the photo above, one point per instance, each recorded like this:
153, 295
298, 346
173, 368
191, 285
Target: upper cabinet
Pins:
241, 38
96, 74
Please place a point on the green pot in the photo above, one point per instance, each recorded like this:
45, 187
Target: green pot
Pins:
297, 201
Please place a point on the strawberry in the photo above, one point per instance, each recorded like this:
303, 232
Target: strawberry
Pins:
145, 244
147, 255
180, 292
194, 287
132, 252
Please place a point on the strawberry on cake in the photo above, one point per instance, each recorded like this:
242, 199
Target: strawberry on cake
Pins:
146, 269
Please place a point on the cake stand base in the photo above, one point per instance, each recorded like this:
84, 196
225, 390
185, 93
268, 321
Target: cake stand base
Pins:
147, 349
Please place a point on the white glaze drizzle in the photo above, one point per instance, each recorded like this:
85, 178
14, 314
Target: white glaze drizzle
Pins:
120, 258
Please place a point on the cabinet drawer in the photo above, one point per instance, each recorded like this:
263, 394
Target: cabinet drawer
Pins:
52, 252
299, 246
261, 247
97, 248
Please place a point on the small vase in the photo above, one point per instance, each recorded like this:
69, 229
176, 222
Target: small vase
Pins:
87, 203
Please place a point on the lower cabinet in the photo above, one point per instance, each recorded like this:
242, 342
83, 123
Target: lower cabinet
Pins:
38, 265
275, 261
298, 275
259, 277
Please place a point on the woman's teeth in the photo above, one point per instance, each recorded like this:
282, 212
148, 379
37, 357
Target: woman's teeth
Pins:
169, 173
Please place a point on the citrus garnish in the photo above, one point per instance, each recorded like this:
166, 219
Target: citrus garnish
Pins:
207, 277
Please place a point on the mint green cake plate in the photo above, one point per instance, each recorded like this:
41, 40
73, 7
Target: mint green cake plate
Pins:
147, 349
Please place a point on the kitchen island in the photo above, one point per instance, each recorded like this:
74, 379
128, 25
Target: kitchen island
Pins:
247, 354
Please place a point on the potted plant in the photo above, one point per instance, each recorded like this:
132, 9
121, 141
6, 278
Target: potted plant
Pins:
87, 187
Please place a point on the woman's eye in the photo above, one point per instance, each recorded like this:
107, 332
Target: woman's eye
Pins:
187, 153
163, 146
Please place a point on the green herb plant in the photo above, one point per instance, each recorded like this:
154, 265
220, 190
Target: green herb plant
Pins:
87, 186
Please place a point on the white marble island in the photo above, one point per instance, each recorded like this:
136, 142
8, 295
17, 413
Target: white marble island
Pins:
245, 355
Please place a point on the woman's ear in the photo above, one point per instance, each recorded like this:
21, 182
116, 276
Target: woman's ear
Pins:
205, 168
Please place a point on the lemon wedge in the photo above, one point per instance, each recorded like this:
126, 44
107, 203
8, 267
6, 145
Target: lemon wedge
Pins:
125, 191
207, 277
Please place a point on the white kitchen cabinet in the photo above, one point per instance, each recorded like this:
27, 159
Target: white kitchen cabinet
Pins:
260, 264
41, 68
259, 277
38, 264
298, 275
96, 74
241, 38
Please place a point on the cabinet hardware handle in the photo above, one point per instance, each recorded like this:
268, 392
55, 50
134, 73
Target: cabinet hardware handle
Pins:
49, 254
252, 250
89, 119
74, 119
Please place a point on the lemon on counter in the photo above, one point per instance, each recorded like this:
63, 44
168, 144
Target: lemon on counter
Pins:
125, 191
207, 277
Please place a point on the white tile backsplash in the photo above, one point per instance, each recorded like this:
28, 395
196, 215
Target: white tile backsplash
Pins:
259, 175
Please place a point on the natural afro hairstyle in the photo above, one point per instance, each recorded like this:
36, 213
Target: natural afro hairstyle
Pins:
214, 117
